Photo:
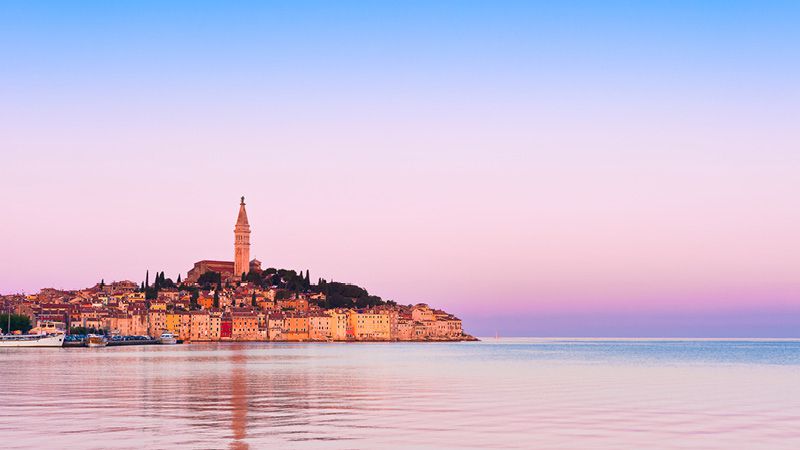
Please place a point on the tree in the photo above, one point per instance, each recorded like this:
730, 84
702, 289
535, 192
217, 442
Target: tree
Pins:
244, 275
210, 277
253, 300
253, 277
147, 279
151, 293
19, 322
216, 299
179, 278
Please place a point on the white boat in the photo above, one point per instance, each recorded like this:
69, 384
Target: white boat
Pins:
31, 340
96, 340
168, 338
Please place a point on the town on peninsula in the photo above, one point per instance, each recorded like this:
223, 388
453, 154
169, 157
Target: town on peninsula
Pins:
229, 301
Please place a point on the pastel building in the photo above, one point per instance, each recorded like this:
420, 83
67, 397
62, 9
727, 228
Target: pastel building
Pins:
369, 325
244, 326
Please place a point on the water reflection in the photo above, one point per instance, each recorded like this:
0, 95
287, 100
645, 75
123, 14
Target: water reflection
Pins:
238, 391
507, 394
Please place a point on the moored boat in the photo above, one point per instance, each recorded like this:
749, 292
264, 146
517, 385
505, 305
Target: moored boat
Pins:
96, 340
31, 340
168, 338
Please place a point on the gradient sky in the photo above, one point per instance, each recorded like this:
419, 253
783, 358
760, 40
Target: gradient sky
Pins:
537, 168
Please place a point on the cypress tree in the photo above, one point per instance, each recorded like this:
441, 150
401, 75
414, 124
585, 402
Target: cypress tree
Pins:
216, 299
179, 278
147, 279
253, 300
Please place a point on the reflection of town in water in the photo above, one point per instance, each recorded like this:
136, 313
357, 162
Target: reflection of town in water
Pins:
496, 393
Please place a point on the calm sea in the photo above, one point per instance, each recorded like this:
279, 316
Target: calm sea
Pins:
507, 393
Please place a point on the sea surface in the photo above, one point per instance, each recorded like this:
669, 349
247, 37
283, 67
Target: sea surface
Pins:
506, 393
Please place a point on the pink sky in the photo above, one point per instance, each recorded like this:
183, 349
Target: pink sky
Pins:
587, 165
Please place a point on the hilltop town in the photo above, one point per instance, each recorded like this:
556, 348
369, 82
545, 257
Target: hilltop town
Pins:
235, 301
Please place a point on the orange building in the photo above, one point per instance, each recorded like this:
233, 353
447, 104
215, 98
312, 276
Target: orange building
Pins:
244, 326
294, 304
295, 327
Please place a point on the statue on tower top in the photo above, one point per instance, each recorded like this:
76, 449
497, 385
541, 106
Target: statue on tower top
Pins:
242, 200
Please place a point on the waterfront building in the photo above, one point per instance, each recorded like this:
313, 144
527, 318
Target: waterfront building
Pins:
369, 325
244, 326
172, 322
295, 326
225, 328
405, 329
319, 326
338, 324
156, 322
214, 324
275, 326
199, 329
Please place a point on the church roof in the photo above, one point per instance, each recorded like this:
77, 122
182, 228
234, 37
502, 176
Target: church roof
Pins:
213, 263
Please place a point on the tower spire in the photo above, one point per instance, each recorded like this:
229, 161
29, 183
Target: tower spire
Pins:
241, 243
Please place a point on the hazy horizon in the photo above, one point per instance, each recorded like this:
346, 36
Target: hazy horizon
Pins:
536, 169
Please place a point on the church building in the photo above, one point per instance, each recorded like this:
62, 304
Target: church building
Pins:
231, 270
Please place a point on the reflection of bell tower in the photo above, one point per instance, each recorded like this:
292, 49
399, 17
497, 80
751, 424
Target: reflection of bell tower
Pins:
241, 244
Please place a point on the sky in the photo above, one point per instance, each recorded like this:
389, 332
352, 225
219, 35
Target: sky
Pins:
537, 168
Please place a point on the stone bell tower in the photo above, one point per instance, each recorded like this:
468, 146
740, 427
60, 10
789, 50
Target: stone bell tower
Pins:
241, 244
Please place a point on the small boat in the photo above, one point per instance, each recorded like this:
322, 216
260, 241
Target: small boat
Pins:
167, 338
31, 340
96, 340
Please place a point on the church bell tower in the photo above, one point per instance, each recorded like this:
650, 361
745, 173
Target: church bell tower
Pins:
241, 244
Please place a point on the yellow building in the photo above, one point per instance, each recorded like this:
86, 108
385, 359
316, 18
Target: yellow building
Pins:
338, 324
172, 322
158, 306
369, 325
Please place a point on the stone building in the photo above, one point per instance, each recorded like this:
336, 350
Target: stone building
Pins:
231, 270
